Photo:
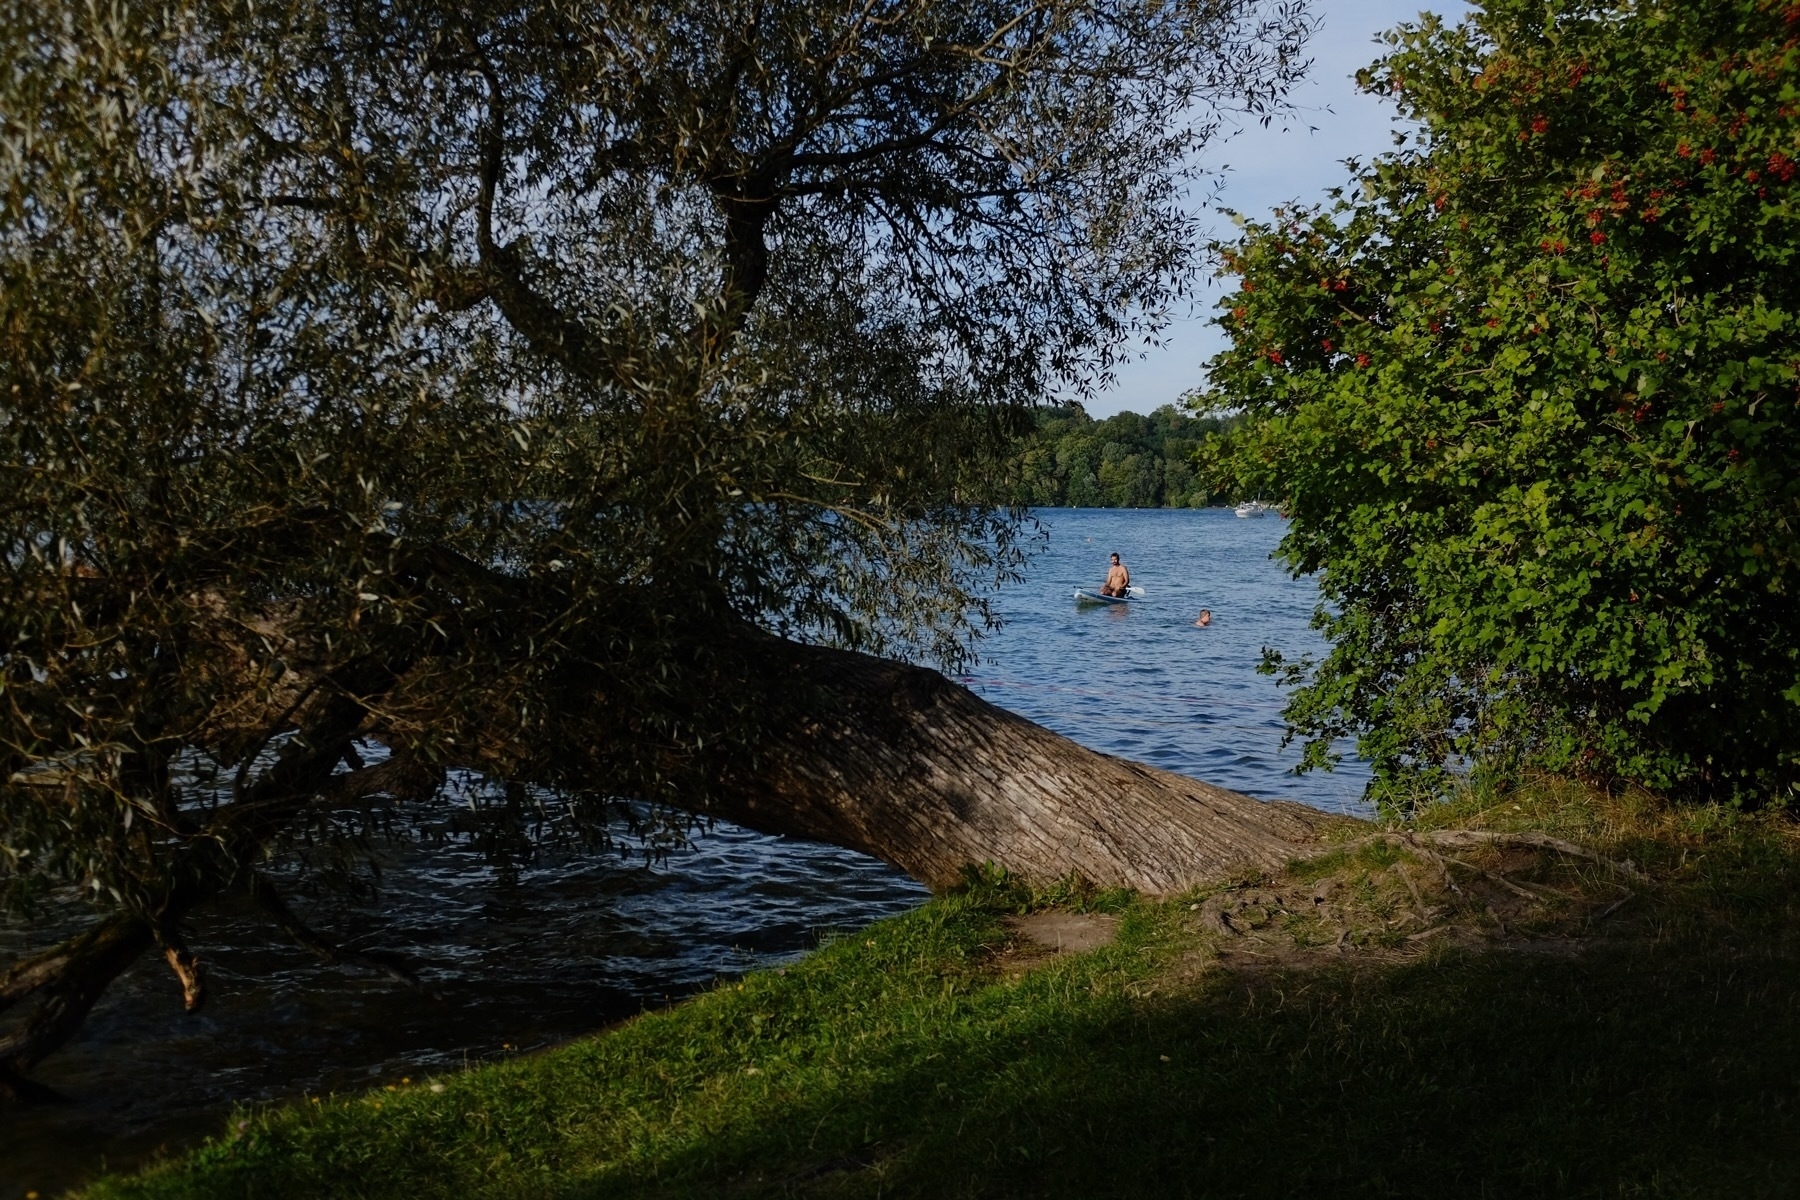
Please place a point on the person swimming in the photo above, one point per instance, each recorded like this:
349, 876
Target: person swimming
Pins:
1118, 579
1204, 619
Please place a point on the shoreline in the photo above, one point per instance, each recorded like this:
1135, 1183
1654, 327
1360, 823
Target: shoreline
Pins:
1353, 1026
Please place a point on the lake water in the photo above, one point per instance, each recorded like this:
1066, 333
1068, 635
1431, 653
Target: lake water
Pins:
568, 947
1140, 680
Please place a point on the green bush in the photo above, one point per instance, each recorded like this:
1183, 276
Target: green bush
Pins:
1530, 393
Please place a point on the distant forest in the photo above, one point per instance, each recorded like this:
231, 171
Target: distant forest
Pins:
1123, 461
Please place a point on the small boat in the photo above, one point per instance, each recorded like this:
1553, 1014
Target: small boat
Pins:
1083, 596
1252, 508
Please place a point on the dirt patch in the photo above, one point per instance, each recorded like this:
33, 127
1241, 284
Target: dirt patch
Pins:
1391, 902
1066, 932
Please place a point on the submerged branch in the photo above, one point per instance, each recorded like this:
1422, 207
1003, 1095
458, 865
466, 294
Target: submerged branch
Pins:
270, 900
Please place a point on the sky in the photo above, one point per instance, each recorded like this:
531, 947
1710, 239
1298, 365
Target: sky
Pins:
1268, 167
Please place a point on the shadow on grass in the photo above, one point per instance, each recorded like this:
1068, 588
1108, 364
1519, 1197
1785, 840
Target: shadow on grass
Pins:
908, 1061
1642, 1070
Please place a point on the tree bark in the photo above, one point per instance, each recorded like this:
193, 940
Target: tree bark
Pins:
68, 979
899, 762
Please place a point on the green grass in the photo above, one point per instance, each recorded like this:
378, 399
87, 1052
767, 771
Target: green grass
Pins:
917, 1059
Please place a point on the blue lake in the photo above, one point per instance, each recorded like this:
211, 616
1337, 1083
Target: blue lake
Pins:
568, 946
1141, 681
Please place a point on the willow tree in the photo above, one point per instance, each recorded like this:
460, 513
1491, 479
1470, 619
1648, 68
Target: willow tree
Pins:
566, 403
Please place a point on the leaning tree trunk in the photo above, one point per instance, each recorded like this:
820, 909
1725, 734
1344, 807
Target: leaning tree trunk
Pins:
899, 762
889, 759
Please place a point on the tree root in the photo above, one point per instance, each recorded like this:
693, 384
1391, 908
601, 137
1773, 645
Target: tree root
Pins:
1421, 844
1531, 841
1612, 908
1249, 905
1483, 837
1408, 901
1518, 890
1441, 861
1413, 889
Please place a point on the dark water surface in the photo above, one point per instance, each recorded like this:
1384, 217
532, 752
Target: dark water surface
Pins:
514, 966
568, 947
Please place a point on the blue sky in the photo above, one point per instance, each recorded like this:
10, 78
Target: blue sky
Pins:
1270, 166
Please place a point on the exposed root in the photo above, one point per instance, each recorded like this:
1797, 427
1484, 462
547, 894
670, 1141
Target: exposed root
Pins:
1612, 908
1426, 898
1522, 892
1238, 912
1441, 861
1531, 841
1413, 889
1421, 843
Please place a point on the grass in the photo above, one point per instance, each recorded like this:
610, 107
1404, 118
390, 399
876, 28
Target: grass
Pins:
1353, 1027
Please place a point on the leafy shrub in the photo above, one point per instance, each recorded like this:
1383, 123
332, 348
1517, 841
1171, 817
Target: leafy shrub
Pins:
1530, 392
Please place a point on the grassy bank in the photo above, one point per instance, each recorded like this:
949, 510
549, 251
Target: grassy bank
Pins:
1389, 1020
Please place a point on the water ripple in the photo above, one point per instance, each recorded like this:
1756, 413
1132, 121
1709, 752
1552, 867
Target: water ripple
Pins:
1142, 681
569, 946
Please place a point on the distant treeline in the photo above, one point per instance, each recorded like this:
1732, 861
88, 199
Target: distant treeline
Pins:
1123, 461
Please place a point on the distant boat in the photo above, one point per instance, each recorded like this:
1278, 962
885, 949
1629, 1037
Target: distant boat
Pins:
1252, 508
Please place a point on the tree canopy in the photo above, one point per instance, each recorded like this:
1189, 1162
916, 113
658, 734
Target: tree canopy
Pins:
1122, 461
1529, 390
397, 389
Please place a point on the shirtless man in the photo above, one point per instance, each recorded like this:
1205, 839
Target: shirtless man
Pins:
1118, 579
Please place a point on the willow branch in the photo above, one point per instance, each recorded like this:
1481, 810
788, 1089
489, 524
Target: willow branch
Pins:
270, 900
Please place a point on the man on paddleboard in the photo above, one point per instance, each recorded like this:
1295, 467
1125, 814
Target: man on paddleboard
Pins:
1118, 579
